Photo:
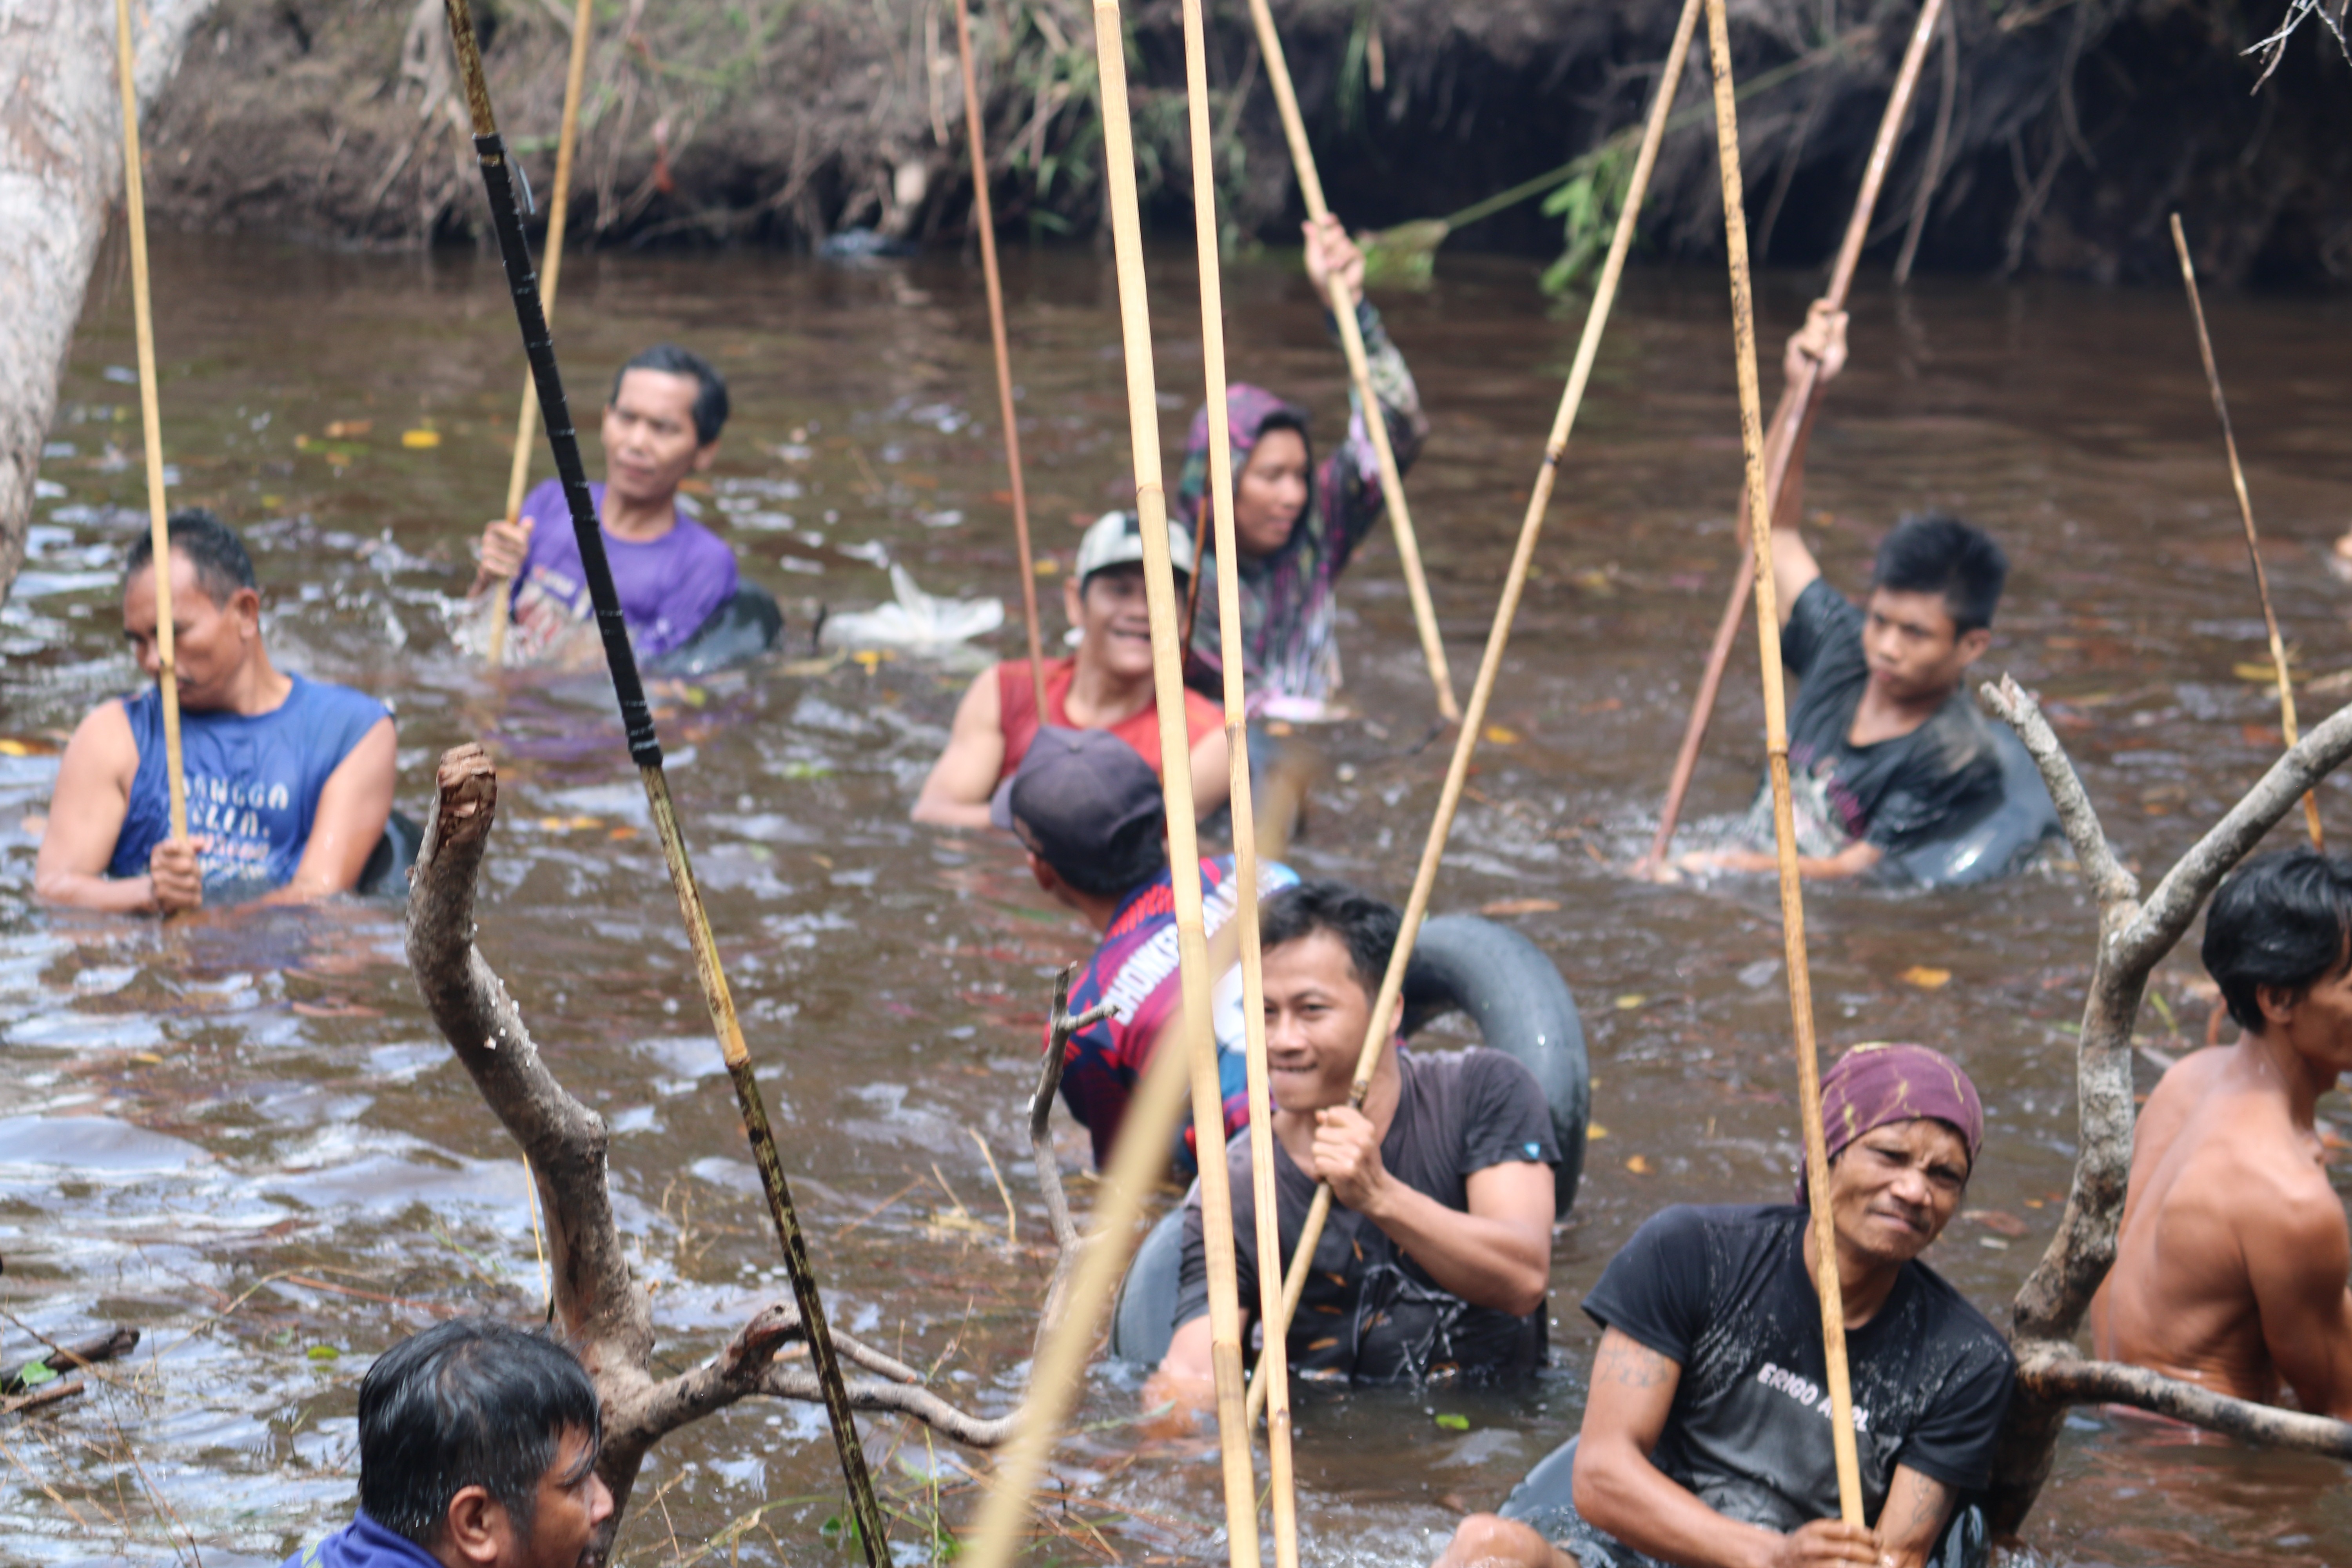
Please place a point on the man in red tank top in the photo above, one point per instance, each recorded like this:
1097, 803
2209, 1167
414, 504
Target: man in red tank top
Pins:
1107, 685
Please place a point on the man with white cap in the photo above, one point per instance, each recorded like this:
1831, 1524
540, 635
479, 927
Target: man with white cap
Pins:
1106, 685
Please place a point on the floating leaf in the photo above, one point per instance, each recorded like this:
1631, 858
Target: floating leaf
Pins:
420, 440
350, 429
1925, 978
323, 1353
35, 1374
1594, 1132
1452, 1422
1502, 906
1639, 1165
1502, 735
2263, 673
1630, 1001
1048, 567
1996, 1221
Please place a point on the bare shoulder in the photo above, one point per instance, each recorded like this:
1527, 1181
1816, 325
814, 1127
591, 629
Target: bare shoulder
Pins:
102, 745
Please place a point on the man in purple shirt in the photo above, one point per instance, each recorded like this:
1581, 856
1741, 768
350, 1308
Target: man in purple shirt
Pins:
660, 426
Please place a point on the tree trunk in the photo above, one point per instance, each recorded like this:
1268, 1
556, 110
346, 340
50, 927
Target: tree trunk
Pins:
60, 175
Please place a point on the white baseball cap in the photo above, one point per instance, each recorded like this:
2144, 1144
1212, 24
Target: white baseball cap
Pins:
1116, 538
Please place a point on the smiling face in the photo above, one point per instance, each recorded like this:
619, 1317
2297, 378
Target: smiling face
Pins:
210, 641
1315, 1009
1113, 620
1895, 1188
1270, 492
650, 444
1916, 651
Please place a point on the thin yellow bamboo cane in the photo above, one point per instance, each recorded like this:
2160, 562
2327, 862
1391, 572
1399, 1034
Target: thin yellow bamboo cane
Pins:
1274, 1369
984, 218
2246, 515
1776, 730
1351, 341
142, 313
1498, 638
551, 264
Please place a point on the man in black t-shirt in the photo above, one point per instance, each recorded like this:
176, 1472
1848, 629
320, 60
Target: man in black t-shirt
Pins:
1886, 750
1706, 1434
1438, 1252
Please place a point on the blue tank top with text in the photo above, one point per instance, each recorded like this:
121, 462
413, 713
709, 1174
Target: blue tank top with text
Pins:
253, 781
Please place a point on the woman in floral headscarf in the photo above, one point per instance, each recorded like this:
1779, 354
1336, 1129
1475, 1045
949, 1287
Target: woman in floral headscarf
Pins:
1296, 524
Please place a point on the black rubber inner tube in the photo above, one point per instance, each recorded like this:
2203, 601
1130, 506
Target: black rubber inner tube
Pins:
1995, 844
749, 624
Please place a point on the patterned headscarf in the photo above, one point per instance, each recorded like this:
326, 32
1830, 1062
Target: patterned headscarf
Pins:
1874, 1086
1249, 410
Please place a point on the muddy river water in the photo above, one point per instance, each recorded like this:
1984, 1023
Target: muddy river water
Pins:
244, 1136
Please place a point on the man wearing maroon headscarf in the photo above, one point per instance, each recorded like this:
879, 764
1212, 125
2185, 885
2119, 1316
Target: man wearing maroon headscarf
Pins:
1706, 1434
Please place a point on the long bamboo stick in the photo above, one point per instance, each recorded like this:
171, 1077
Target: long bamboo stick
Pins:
2246, 516
645, 749
1351, 342
1788, 417
984, 218
1776, 731
150, 416
1274, 1368
576, 76
1498, 637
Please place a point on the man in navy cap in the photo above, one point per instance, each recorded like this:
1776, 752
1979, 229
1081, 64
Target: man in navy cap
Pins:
1090, 812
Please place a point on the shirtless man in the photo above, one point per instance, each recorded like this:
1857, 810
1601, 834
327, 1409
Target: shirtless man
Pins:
2232, 1265
1106, 685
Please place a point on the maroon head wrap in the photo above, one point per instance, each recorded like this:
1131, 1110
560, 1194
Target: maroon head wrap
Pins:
1873, 1086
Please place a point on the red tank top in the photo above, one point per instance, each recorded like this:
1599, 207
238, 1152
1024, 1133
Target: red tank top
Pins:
1016, 698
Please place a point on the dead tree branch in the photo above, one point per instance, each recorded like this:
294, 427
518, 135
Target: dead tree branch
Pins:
2135, 935
605, 1315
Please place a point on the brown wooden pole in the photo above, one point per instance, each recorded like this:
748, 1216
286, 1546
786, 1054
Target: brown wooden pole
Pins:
551, 264
1788, 416
1351, 342
1498, 637
1273, 1383
150, 417
1776, 731
984, 218
2246, 516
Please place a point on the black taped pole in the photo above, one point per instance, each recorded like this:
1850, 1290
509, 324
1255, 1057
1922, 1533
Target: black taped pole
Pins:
645, 749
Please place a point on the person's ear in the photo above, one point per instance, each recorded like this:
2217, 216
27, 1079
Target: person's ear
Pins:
245, 604
474, 1530
1074, 600
2278, 1004
1972, 645
1046, 878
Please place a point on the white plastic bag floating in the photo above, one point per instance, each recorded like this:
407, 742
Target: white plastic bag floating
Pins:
917, 623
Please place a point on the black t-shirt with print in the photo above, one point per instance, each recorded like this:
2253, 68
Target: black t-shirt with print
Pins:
1723, 1291
1937, 779
1371, 1313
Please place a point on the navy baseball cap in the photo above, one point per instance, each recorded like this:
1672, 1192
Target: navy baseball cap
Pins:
1089, 807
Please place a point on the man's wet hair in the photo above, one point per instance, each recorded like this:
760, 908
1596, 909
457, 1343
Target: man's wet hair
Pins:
212, 548
471, 1402
1936, 552
710, 405
1366, 926
2283, 921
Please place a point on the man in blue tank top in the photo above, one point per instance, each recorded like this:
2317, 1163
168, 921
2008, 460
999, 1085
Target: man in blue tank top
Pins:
660, 427
288, 780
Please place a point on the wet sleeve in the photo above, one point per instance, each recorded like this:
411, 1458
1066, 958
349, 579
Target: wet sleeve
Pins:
549, 519
1822, 621
1192, 1274
1948, 783
705, 582
1954, 1442
1505, 1117
1654, 1291
1351, 477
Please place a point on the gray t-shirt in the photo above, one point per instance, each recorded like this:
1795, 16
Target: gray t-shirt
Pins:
1370, 1313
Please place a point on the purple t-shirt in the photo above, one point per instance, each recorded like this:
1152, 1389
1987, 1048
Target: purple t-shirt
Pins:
668, 586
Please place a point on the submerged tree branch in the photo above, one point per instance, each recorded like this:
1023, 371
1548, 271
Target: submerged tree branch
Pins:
2054, 1372
606, 1316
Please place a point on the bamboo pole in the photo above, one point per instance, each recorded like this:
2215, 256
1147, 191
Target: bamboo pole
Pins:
150, 416
2246, 516
576, 76
1351, 342
644, 750
1788, 417
1776, 731
1274, 1368
1498, 637
984, 218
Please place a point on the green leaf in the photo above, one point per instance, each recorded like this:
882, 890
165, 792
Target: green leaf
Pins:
1453, 1422
36, 1372
323, 1353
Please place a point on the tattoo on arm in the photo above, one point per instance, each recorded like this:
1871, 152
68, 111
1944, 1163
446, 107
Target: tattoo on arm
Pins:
1930, 1501
1630, 1364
